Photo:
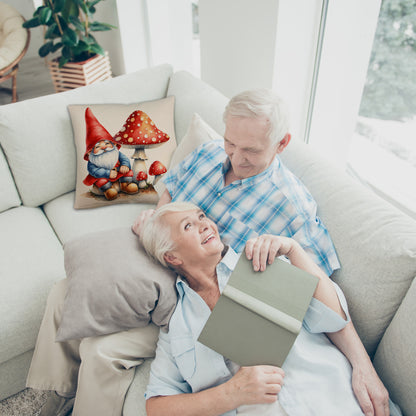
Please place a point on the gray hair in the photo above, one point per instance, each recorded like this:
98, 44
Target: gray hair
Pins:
156, 236
261, 103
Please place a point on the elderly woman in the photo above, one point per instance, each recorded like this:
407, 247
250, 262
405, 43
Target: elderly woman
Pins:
188, 378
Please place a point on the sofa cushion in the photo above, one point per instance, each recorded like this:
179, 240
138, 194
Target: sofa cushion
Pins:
113, 286
69, 223
374, 241
198, 133
9, 196
195, 96
44, 169
129, 126
394, 359
31, 260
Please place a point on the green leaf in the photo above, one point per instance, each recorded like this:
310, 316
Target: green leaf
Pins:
62, 61
100, 27
58, 5
70, 9
57, 46
34, 22
52, 32
45, 49
96, 48
44, 15
92, 3
70, 37
66, 52
77, 23
82, 5
82, 47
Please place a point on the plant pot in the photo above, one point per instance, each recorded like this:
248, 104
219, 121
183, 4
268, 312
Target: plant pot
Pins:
78, 74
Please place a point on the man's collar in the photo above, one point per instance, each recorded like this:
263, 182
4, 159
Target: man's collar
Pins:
252, 179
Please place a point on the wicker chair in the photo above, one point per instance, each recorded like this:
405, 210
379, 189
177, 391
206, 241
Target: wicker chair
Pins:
14, 42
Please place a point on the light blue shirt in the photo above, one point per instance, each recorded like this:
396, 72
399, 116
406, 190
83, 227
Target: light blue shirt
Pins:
317, 375
272, 202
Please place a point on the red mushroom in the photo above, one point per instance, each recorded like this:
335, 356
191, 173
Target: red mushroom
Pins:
157, 169
141, 178
138, 132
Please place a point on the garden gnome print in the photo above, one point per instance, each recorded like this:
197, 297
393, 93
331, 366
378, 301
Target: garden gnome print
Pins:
108, 169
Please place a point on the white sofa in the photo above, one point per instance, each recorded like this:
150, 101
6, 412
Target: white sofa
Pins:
376, 244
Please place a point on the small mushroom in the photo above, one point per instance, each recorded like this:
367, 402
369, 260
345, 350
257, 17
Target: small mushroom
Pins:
141, 178
157, 169
140, 132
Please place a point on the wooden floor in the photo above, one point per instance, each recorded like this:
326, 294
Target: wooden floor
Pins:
33, 80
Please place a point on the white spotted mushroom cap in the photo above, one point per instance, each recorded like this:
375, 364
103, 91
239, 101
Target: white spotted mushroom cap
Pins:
139, 131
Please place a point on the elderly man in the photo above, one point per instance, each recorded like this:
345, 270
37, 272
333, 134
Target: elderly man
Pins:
315, 377
242, 185
247, 191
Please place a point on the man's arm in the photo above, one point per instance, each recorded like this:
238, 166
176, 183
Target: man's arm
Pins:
368, 388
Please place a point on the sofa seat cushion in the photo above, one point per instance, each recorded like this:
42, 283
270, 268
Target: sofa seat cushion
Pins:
375, 242
69, 223
9, 196
31, 261
41, 150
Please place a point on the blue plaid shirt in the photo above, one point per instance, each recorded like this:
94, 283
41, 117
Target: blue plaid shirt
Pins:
273, 202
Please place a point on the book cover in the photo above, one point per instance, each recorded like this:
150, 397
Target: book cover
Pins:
259, 314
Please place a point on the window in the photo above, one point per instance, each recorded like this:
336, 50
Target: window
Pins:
383, 147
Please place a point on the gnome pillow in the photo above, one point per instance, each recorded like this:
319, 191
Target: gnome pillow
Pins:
122, 151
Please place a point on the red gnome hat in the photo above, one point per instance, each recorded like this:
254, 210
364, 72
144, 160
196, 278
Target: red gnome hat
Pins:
95, 132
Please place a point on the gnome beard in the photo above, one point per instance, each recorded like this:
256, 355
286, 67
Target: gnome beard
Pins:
106, 159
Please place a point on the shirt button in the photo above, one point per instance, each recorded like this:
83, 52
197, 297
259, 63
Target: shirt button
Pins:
219, 194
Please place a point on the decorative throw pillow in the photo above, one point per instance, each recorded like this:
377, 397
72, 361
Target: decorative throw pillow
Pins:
113, 285
122, 151
198, 133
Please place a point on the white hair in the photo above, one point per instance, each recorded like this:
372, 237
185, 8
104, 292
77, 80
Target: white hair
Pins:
156, 236
261, 104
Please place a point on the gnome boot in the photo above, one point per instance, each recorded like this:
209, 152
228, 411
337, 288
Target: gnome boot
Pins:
129, 187
110, 194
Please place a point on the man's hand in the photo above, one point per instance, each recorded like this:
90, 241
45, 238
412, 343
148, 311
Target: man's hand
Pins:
264, 249
113, 174
255, 385
141, 219
371, 394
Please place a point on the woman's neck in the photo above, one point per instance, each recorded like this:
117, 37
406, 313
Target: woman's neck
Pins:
202, 278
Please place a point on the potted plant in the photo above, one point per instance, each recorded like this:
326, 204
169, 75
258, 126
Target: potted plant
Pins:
68, 32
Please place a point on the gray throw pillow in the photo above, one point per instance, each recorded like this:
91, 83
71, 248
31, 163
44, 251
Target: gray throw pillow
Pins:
113, 285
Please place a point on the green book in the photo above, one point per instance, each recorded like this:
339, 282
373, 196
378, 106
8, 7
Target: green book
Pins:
259, 314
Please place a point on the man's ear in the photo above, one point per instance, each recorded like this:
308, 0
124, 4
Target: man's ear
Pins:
172, 259
283, 143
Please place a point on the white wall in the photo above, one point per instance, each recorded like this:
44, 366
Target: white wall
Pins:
170, 33
238, 42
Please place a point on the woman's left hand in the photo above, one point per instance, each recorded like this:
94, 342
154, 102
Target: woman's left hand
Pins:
264, 249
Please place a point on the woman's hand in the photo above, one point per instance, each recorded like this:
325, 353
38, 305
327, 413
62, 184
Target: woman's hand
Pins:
370, 391
141, 219
264, 249
255, 385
